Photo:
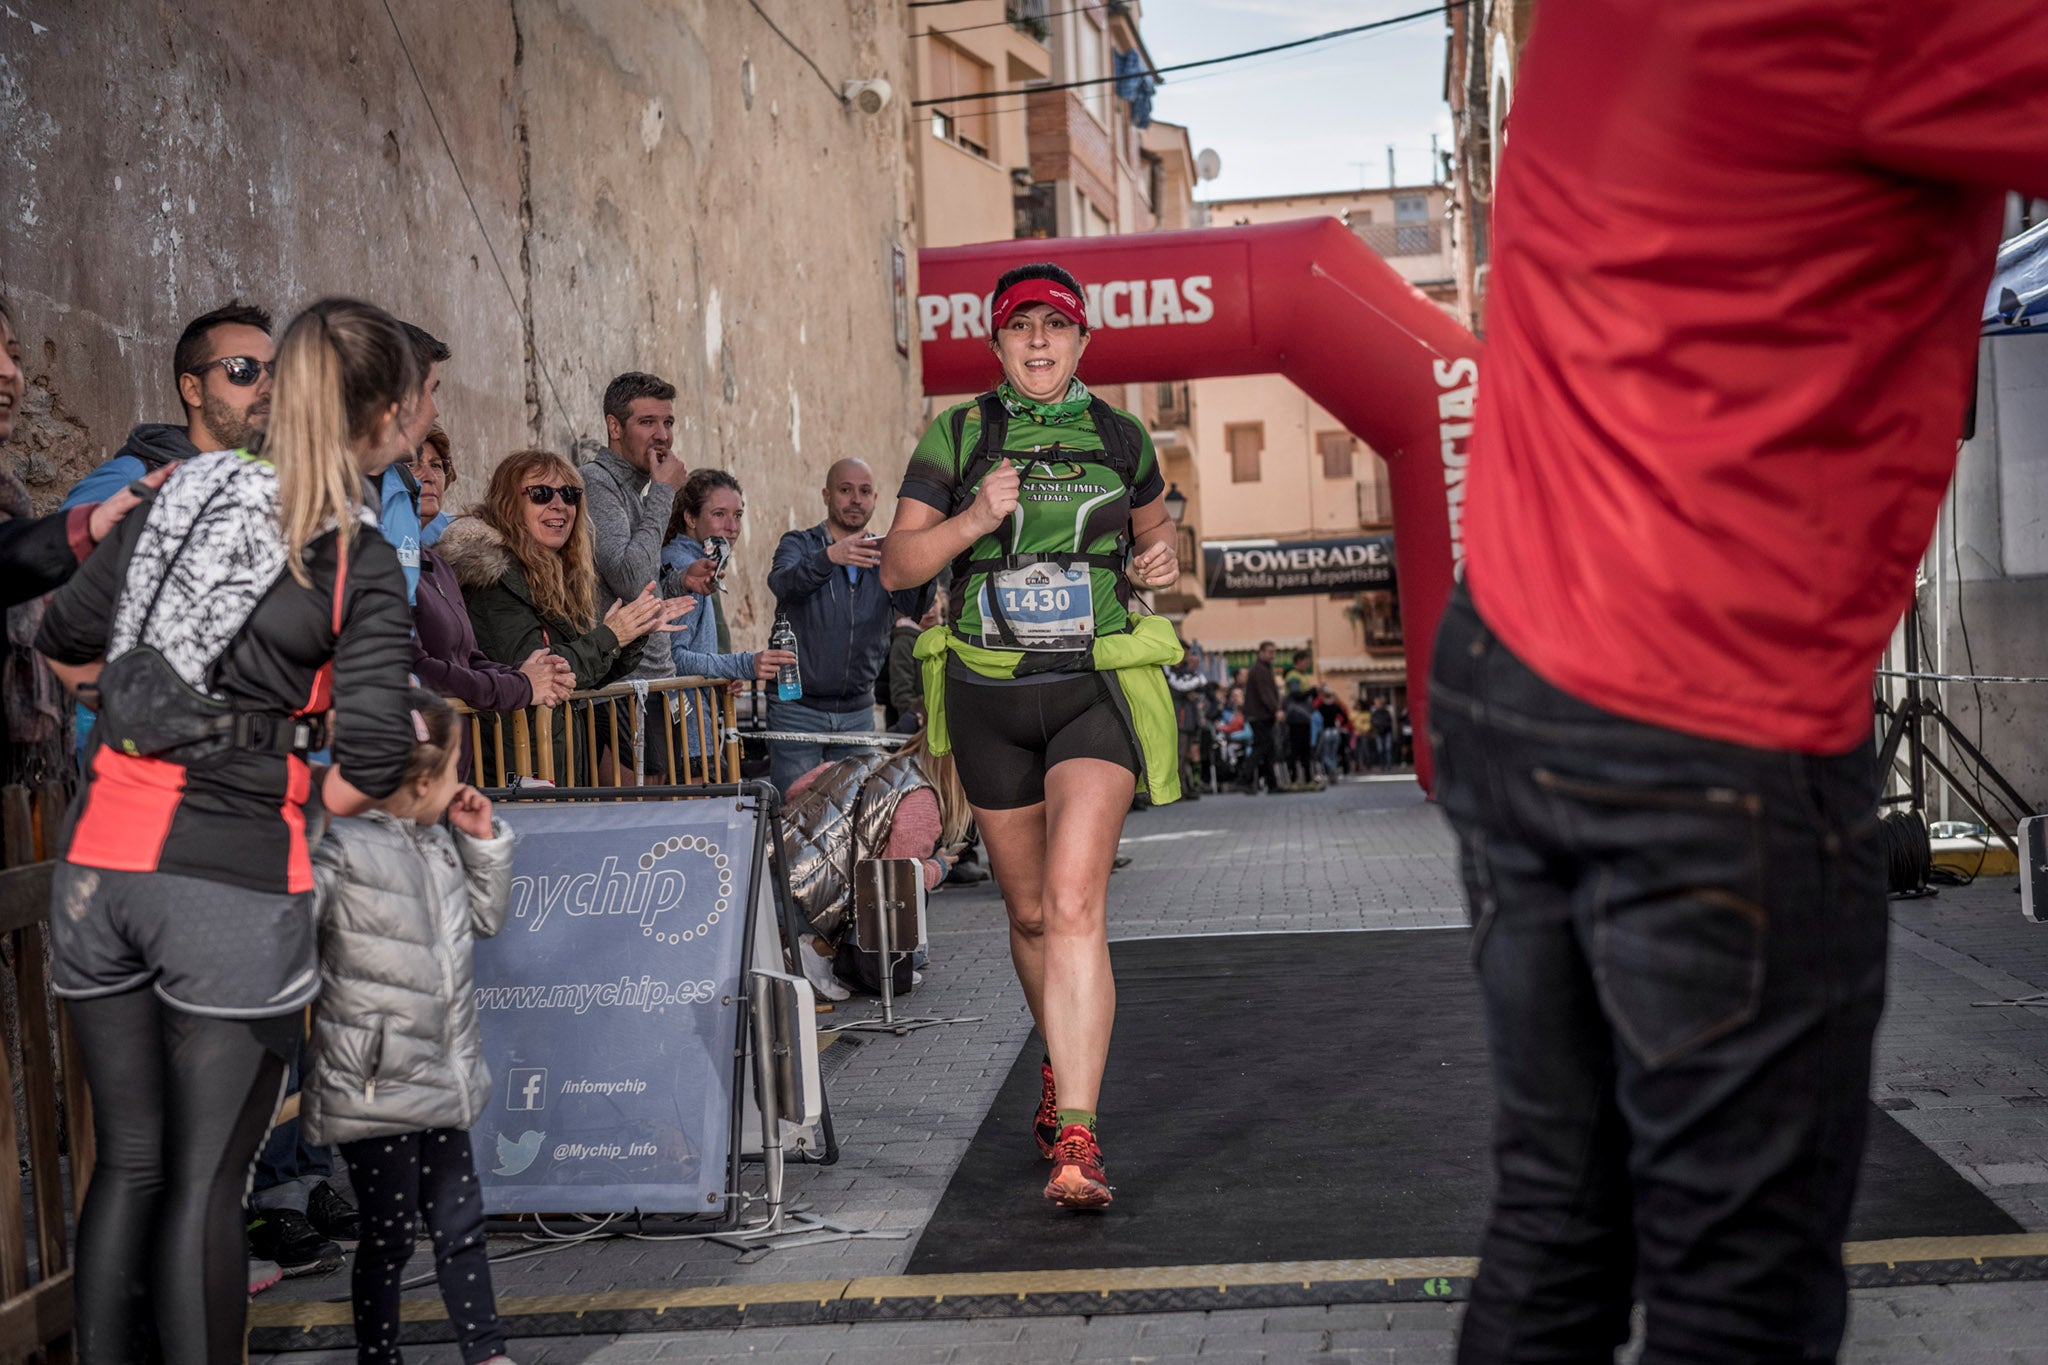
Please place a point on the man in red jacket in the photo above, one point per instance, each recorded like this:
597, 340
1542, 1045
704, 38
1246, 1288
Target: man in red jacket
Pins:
1740, 251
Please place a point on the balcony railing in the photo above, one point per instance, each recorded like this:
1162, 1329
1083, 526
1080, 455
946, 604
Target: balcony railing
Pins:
1402, 239
1176, 407
1029, 16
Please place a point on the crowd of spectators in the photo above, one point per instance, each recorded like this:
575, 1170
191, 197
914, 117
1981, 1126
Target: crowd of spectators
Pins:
559, 577
1256, 730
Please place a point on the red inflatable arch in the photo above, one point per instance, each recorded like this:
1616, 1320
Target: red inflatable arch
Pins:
1305, 299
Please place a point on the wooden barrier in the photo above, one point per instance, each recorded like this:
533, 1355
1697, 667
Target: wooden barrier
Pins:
36, 1314
588, 739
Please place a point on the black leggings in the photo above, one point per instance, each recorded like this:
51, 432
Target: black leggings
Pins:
396, 1179
180, 1103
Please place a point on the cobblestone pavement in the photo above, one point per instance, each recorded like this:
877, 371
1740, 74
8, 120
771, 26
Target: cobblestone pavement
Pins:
1971, 1082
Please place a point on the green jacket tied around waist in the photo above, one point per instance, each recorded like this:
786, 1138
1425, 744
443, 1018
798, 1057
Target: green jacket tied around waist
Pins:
1133, 661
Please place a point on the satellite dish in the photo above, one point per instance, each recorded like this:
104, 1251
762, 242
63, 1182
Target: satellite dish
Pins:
1208, 165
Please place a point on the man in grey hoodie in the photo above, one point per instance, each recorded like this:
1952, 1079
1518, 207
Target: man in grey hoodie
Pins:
629, 488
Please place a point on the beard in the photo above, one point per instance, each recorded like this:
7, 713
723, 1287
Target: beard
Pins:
235, 428
852, 518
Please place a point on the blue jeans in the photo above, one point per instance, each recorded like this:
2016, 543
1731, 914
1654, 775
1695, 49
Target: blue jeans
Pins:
1327, 745
789, 760
1681, 948
287, 1169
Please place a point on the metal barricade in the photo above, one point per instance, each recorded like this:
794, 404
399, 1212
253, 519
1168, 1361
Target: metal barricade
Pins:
40, 1070
613, 736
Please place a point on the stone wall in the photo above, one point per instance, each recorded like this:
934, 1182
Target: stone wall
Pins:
666, 184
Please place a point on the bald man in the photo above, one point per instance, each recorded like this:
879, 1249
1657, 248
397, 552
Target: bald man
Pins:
826, 579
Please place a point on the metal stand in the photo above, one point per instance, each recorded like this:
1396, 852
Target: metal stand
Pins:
885, 917
1904, 724
786, 1227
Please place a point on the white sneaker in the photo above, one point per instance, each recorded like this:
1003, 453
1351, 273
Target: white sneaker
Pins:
818, 971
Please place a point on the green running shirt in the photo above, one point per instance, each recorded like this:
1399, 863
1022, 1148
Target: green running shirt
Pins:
1068, 506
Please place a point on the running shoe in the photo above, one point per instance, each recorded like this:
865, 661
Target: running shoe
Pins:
1045, 1125
332, 1216
262, 1275
1077, 1179
284, 1236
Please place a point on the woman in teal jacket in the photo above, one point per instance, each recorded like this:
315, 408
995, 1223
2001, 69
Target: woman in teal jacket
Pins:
709, 508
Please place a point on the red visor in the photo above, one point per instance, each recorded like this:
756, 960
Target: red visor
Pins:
1049, 292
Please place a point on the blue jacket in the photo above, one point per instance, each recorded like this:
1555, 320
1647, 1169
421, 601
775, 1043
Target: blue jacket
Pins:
695, 646
399, 519
149, 446
842, 627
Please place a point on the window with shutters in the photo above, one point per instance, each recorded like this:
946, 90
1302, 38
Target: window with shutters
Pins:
1246, 442
955, 73
1335, 447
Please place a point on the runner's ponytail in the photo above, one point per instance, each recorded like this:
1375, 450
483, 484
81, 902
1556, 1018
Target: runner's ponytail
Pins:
340, 367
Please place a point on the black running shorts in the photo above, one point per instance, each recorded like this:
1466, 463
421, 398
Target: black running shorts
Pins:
207, 947
1007, 734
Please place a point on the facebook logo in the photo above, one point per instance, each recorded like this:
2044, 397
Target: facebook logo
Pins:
526, 1089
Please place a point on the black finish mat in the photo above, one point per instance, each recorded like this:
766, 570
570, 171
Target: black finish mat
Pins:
1305, 1097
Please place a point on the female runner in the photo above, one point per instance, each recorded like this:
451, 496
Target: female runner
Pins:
217, 631
1044, 684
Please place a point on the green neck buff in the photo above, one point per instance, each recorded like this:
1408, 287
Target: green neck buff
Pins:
1046, 414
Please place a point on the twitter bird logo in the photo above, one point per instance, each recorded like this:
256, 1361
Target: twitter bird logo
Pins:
514, 1157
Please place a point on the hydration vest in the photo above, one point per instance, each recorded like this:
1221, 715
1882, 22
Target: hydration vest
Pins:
1122, 448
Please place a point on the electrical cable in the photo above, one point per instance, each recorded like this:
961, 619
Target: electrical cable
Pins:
1956, 677
1158, 72
511, 295
1908, 854
1207, 75
791, 43
1955, 546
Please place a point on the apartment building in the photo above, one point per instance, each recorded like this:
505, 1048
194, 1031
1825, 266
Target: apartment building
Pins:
1482, 48
1279, 467
1058, 163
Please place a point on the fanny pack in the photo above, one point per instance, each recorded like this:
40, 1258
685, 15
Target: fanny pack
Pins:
148, 711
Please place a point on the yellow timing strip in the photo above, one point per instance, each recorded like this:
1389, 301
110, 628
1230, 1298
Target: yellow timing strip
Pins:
1022, 1284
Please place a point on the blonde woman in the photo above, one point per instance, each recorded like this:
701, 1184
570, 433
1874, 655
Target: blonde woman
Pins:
231, 617
880, 805
529, 580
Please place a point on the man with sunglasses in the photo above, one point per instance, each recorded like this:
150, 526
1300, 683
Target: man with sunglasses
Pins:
222, 366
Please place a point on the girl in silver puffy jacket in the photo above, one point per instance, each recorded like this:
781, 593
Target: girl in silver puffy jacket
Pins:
394, 1071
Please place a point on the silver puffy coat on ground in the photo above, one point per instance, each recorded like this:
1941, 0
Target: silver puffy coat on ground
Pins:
395, 1045
841, 818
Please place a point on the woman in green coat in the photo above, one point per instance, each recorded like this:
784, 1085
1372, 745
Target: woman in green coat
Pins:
529, 577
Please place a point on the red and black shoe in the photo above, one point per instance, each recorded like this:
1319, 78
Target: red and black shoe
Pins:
1045, 1125
1077, 1179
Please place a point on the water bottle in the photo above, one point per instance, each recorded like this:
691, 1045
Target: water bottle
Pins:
788, 682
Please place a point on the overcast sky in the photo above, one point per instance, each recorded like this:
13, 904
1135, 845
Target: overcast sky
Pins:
1302, 120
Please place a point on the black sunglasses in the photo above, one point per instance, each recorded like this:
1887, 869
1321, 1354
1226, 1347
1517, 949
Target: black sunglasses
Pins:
241, 370
541, 494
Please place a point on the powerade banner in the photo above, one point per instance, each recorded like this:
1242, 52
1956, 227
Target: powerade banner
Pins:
1291, 568
608, 1007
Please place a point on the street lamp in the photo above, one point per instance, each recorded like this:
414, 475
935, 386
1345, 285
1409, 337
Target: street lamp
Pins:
1176, 504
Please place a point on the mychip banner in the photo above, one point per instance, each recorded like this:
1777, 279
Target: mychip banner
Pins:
608, 1007
1293, 568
